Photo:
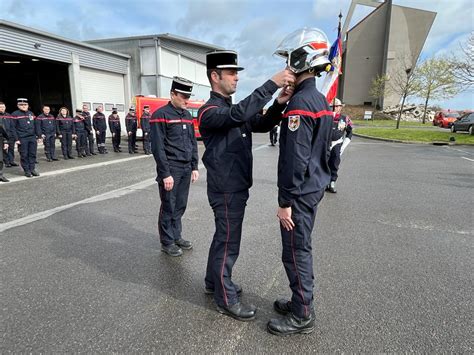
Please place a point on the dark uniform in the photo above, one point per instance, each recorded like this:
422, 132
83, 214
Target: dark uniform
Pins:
116, 129
9, 157
174, 148
65, 128
303, 174
131, 125
274, 135
100, 127
145, 125
90, 133
46, 126
81, 134
226, 130
24, 130
3, 139
341, 129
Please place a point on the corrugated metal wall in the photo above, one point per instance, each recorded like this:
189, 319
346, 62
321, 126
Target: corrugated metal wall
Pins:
22, 42
194, 52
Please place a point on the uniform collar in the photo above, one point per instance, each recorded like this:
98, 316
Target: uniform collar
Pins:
178, 110
306, 83
227, 100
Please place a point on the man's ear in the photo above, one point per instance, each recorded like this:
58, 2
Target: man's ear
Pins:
215, 77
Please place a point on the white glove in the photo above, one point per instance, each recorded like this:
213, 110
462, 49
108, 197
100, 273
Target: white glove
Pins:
334, 143
345, 143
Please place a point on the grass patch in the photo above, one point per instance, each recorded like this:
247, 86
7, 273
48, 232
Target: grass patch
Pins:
414, 135
390, 123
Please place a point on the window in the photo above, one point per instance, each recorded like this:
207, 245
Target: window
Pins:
88, 104
95, 105
120, 107
109, 107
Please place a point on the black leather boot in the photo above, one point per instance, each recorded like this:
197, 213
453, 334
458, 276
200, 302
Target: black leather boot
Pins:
239, 311
291, 325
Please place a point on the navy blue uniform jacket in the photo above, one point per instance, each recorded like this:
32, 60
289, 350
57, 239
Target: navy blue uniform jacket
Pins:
226, 130
172, 139
305, 139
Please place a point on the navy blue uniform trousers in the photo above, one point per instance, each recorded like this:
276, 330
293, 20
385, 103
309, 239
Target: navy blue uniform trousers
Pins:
50, 146
27, 149
66, 143
297, 253
173, 204
229, 210
334, 161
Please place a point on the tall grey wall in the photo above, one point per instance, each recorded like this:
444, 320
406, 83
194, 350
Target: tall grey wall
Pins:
364, 56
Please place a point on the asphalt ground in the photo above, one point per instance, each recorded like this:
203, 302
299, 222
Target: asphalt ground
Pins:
82, 270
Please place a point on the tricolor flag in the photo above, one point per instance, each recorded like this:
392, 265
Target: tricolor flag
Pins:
331, 81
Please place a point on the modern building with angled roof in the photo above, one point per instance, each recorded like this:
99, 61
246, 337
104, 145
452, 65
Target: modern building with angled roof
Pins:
386, 42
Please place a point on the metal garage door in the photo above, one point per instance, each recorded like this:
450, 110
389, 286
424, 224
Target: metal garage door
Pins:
100, 87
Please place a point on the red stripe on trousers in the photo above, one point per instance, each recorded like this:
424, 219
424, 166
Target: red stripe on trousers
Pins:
225, 253
296, 270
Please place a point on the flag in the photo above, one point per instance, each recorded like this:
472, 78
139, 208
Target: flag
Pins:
331, 81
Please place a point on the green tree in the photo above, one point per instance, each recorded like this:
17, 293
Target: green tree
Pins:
463, 64
403, 80
379, 89
436, 81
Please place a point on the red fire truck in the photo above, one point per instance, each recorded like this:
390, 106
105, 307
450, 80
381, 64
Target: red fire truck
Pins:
156, 102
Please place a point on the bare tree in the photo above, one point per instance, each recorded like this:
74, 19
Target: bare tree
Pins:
379, 89
403, 80
436, 81
463, 64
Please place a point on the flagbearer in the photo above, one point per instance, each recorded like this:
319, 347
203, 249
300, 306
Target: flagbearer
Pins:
174, 147
341, 137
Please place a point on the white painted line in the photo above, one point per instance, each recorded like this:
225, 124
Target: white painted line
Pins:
460, 150
105, 196
76, 168
467, 159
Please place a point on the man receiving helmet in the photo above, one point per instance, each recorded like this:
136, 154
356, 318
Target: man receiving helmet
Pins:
303, 174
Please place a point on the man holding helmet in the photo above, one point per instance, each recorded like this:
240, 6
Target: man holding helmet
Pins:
303, 174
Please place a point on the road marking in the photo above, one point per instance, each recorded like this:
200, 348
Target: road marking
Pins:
105, 196
460, 150
76, 168
467, 159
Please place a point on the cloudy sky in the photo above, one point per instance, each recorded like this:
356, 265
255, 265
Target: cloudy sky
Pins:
253, 27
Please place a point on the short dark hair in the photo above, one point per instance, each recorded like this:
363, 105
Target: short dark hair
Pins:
209, 73
42, 107
2, 103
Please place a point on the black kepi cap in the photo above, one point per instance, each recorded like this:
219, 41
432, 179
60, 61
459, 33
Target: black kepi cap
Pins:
146, 106
182, 85
78, 110
222, 60
21, 100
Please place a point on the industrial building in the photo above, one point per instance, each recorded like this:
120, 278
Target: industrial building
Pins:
386, 42
155, 59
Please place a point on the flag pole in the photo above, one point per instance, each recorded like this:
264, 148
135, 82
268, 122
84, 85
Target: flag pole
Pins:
338, 36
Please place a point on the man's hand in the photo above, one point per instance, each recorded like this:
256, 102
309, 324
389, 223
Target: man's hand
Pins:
97, 132
194, 176
5, 146
169, 183
17, 142
39, 140
284, 214
60, 136
43, 136
113, 134
74, 136
129, 133
285, 94
284, 78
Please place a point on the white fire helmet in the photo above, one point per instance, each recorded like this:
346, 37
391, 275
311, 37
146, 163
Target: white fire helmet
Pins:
304, 49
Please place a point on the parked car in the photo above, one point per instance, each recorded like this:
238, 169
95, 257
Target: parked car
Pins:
445, 118
465, 123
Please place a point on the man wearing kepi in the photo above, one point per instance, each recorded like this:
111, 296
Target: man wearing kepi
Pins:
131, 126
226, 130
145, 125
175, 151
100, 128
303, 174
26, 136
341, 137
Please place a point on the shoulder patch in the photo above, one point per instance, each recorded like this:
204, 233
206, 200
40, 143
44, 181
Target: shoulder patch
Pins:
293, 122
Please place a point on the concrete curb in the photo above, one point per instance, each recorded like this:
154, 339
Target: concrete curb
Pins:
409, 142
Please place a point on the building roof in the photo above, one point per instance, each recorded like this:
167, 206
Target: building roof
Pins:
168, 36
59, 38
